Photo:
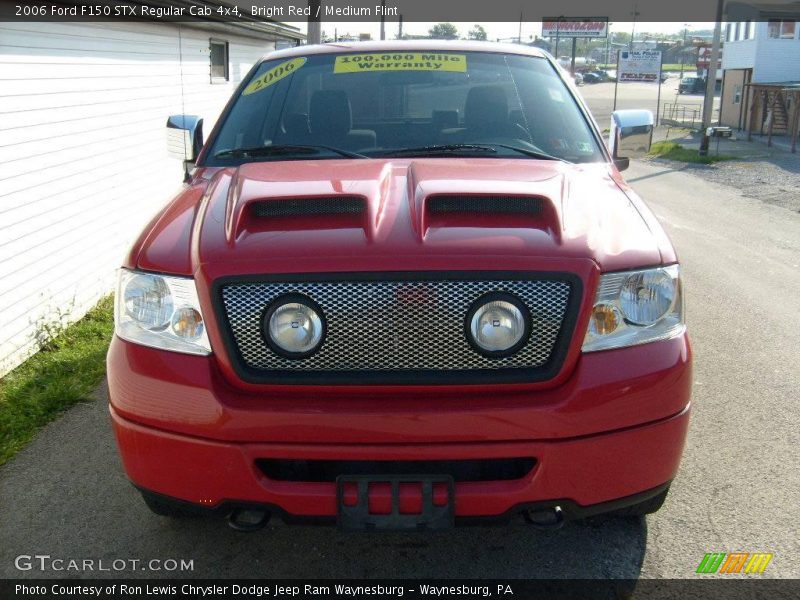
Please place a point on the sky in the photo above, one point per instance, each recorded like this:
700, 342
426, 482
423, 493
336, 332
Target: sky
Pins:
494, 30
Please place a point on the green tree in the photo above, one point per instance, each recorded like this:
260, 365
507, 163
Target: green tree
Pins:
477, 33
621, 37
443, 31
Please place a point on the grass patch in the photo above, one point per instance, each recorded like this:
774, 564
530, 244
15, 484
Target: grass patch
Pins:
674, 151
65, 371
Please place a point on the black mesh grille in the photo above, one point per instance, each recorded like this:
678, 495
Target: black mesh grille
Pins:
396, 325
299, 207
447, 204
398, 328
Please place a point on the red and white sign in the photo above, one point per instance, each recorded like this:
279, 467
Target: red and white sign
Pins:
704, 57
590, 27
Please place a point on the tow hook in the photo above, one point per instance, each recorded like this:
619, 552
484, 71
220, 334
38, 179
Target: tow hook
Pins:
248, 519
547, 518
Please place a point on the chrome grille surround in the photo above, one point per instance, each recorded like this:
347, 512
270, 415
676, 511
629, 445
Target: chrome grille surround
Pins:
399, 327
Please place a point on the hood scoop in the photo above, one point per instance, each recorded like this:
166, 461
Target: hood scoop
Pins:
297, 213
484, 204
308, 207
489, 211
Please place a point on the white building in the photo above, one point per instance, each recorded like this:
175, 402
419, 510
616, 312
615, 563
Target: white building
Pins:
83, 163
760, 58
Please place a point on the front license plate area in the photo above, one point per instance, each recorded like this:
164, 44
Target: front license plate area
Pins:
373, 502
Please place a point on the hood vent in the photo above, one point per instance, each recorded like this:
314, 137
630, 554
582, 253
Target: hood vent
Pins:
484, 204
308, 207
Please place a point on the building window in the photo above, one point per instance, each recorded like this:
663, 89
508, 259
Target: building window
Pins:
219, 61
747, 29
728, 33
738, 34
777, 29
737, 94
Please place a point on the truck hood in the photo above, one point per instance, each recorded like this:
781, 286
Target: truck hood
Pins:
401, 214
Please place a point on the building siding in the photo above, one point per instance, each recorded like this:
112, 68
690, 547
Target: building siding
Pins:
83, 163
777, 60
739, 54
772, 60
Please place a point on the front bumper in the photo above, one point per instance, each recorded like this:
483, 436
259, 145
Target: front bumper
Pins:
615, 430
585, 471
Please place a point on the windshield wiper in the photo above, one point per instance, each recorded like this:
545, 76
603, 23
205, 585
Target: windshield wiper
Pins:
532, 153
439, 149
467, 148
284, 150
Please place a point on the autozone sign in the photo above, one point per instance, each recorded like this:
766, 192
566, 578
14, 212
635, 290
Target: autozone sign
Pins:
589, 27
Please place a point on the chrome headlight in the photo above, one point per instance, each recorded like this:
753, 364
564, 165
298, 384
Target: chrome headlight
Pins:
160, 311
498, 325
636, 307
294, 326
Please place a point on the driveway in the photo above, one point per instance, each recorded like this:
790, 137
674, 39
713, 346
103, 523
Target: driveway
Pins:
738, 490
600, 98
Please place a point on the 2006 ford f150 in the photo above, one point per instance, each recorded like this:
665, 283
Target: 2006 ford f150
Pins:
403, 286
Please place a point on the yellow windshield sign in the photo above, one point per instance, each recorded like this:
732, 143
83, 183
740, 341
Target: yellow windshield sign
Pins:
274, 75
400, 61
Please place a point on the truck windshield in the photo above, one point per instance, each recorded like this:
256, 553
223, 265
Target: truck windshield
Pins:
404, 104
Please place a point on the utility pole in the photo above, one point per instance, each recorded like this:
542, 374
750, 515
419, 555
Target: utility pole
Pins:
572, 63
711, 81
683, 47
558, 32
383, 19
519, 37
314, 22
633, 28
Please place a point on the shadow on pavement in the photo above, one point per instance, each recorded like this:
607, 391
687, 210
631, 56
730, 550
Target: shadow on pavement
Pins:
658, 174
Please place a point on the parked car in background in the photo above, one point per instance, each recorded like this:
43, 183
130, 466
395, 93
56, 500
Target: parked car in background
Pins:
591, 77
404, 285
603, 74
692, 85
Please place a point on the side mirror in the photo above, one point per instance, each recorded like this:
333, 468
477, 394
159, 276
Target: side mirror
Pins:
630, 136
185, 139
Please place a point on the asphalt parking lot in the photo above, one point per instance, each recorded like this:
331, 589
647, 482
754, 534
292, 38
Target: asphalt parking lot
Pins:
600, 98
738, 490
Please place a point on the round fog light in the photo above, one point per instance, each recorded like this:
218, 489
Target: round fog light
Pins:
498, 325
294, 326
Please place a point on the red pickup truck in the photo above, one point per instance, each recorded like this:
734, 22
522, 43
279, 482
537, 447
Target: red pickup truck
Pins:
404, 286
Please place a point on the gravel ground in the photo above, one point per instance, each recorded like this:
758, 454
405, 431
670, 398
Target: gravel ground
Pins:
767, 174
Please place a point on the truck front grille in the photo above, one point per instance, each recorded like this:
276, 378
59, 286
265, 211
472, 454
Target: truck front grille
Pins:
395, 328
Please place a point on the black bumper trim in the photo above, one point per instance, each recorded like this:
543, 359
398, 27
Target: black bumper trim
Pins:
571, 510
